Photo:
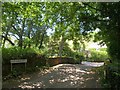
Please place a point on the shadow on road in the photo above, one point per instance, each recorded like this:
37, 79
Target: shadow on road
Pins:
60, 76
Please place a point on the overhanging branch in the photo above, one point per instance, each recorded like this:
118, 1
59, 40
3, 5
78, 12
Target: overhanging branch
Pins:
92, 7
6, 38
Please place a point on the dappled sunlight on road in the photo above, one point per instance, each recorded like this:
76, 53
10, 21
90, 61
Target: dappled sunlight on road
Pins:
23, 79
93, 64
63, 76
31, 85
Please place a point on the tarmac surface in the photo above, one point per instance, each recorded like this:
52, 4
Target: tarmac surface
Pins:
60, 76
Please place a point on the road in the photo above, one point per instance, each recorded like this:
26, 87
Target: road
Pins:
60, 76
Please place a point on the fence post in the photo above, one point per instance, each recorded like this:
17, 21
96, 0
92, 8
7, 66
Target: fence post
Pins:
11, 66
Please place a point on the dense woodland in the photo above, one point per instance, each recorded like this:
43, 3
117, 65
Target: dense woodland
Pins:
38, 30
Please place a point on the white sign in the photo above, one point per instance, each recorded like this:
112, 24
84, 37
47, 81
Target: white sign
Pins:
19, 61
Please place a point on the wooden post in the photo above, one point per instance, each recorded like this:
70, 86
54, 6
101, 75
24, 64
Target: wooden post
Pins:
11, 66
25, 66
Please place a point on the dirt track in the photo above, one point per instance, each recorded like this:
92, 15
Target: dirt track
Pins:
60, 76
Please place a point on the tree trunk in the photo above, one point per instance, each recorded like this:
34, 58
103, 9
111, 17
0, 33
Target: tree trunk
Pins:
61, 46
29, 30
21, 34
41, 40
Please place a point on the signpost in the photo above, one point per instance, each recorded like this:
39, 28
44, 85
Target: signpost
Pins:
18, 61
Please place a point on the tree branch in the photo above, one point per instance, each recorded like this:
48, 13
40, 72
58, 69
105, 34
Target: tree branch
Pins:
15, 29
6, 38
92, 7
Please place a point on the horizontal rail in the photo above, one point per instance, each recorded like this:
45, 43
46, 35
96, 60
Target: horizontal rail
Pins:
19, 61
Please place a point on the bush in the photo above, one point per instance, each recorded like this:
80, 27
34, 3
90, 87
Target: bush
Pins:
79, 58
98, 55
33, 59
113, 75
16, 53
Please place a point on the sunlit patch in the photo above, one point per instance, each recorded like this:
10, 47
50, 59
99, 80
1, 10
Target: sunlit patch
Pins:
31, 85
78, 70
57, 66
77, 78
51, 76
46, 71
81, 82
39, 84
73, 82
52, 81
67, 69
23, 79
89, 78
96, 80
81, 78
93, 64
25, 82
91, 72
26, 86
64, 80
71, 76
84, 71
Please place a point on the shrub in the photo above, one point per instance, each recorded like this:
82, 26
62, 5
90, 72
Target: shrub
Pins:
16, 53
98, 55
33, 59
113, 75
79, 58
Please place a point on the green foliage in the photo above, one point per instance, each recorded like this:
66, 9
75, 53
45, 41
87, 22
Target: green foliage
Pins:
101, 73
67, 52
98, 55
79, 58
32, 55
113, 75
109, 33
34, 59
28, 22
16, 53
15, 73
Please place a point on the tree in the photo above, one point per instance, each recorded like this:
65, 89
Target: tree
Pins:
28, 23
24, 19
109, 33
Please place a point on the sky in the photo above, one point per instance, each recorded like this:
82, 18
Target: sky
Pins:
95, 45
49, 31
